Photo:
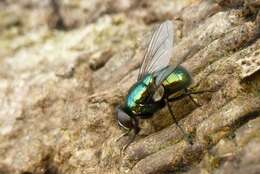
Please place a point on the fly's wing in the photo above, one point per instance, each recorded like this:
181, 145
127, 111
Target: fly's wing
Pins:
158, 53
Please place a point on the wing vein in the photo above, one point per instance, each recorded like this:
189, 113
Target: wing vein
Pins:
158, 53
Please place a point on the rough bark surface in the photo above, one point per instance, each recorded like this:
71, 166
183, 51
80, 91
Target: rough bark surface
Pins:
65, 65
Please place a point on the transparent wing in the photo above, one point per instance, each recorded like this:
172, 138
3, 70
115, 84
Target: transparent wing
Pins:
159, 51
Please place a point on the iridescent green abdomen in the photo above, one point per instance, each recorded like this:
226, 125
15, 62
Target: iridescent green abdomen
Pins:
177, 80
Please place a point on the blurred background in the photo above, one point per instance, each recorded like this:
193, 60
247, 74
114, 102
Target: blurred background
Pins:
39, 19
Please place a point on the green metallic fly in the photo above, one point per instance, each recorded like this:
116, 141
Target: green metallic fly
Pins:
157, 81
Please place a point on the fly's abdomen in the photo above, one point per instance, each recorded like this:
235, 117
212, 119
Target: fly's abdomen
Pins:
177, 80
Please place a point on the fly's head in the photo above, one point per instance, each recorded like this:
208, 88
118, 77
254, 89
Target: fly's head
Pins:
124, 120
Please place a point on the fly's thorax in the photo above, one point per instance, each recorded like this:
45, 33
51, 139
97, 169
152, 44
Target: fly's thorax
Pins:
148, 80
139, 93
179, 79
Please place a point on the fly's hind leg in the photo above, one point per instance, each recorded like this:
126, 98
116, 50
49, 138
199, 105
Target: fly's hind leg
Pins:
186, 135
189, 93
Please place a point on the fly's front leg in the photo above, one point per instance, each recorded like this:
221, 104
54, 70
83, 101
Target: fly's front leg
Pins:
122, 135
136, 130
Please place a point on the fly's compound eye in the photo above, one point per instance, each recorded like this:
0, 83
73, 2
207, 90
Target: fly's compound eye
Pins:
123, 119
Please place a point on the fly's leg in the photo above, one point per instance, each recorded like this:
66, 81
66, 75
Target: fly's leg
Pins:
198, 92
189, 94
191, 98
122, 135
186, 135
175, 98
136, 130
131, 139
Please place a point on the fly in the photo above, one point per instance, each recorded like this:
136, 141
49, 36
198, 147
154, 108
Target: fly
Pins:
157, 82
